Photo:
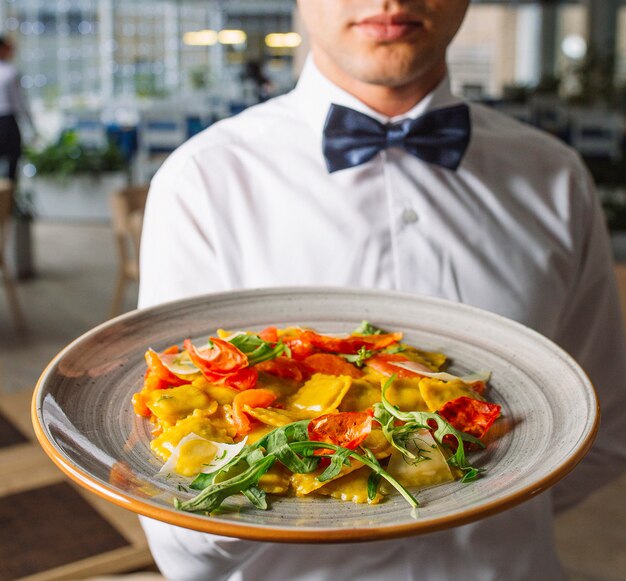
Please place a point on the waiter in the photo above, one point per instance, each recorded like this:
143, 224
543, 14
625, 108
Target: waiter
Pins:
12, 104
372, 174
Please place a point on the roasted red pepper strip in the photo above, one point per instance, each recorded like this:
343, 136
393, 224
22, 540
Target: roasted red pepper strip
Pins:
383, 364
241, 380
347, 429
171, 350
470, 415
300, 348
285, 368
139, 405
479, 387
152, 381
331, 365
223, 359
255, 398
270, 334
350, 345
223, 364
156, 366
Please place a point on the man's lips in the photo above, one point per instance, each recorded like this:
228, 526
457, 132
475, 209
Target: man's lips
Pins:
388, 27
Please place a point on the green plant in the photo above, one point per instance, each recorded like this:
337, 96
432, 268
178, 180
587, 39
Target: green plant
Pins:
67, 156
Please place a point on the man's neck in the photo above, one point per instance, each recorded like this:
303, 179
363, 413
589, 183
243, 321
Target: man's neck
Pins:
389, 101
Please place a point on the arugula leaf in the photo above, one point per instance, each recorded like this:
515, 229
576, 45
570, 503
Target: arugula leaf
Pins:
212, 496
237, 464
255, 455
256, 349
202, 480
408, 433
366, 328
374, 480
472, 474
418, 420
337, 461
396, 435
256, 496
294, 432
359, 358
278, 445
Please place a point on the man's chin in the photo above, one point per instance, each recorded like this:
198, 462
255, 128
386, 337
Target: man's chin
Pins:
386, 76
388, 66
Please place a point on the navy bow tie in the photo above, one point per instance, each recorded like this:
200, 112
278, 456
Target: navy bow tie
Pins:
352, 138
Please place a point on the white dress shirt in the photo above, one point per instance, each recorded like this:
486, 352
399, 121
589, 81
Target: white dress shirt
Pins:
517, 230
12, 100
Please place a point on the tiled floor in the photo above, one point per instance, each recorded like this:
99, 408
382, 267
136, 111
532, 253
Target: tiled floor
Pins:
72, 293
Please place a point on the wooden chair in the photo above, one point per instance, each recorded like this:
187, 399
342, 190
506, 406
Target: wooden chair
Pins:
127, 207
6, 205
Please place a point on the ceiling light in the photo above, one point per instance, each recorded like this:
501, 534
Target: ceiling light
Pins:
200, 38
283, 40
232, 36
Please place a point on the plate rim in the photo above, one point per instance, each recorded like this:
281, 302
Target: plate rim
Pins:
302, 535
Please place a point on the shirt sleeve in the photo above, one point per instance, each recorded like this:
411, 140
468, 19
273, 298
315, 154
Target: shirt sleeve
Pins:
177, 258
592, 331
18, 100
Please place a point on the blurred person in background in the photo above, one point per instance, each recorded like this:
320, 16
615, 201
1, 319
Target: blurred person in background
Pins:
256, 82
13, 105
372, 174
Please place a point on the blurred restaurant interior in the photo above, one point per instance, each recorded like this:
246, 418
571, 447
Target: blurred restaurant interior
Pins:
113, 87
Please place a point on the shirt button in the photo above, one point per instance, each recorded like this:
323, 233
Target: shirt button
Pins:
409, 216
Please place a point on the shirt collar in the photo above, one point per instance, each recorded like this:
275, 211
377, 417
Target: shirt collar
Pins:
314, 94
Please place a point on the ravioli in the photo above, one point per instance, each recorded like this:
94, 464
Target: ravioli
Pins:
276, 417
431, 359
321, 394
436, 392
429, 469
351, 487
304, 484
176, 403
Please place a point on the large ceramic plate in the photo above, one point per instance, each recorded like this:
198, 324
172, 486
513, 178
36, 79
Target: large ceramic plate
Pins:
84, 418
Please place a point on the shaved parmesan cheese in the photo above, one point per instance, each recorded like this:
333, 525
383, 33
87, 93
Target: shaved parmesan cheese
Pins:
195, 454
228, 336
480, 376
179, 363
224, 454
